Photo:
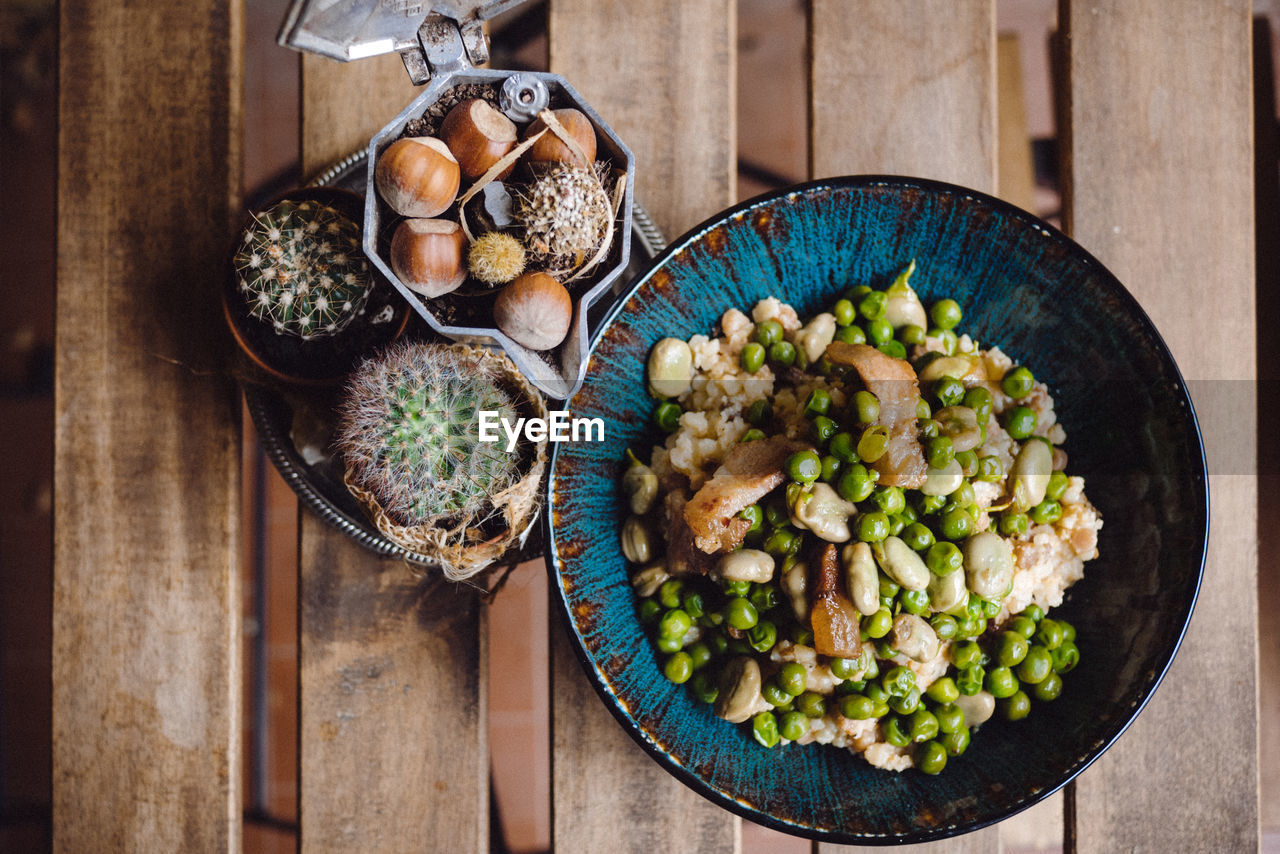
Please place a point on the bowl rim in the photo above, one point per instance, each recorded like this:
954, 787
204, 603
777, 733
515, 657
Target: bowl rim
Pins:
1201, 498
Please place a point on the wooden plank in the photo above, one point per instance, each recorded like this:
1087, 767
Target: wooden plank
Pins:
662, 74
906, 88
146, 655
1161, 190
393, 740
1016, 180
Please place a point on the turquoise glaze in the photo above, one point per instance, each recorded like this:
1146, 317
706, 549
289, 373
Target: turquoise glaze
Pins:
1131, 431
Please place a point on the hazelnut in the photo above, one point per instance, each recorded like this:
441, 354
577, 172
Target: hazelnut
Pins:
550, 148
534, 310
426, 254
477, 135
418, 176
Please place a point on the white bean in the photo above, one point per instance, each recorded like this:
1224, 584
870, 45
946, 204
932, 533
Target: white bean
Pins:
746, 565
641, 487
670, 368
817, 335
914, 638
988, 565
1030, 474
795, 583
960, 424
636, 545
647, 581
901, 563
978, 708
821, 510
862, 578
739, 690
943, 481
947, 592
956, 367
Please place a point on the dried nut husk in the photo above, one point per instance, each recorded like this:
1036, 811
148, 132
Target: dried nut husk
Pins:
988, 565
550, 148
426, 255
1030, 474
478, 136
746, 565
534, 310
417, 176
670, 368
862, 578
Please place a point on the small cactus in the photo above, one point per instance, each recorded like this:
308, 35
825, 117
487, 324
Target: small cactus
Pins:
299, 268
410, 435
565, 212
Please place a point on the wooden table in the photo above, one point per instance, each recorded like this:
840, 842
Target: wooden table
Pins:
1157, 140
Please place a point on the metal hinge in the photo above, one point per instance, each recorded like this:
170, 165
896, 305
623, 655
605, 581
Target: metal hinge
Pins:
445, 45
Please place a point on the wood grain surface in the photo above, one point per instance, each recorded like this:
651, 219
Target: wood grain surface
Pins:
393, 750
146, 662
906, 88
1160, 153
662, 74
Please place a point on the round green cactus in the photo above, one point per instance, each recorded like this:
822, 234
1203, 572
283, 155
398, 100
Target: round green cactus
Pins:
299, 268
410, 434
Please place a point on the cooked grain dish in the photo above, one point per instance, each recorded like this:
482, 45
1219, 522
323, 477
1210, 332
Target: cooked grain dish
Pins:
855, 526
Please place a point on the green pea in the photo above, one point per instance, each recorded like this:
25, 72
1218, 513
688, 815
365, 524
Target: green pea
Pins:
939, 452
906, 704
898, 681
914, 601
1036, 667
990, 469
1020, 422
943, 690
649, 610
667, 415
792, 678
931, 757
889, 499
719, 643
739, 647
801, 635
678, 668
945, 313
768, 332
1013, 648
956, 742
864, 407
1024, 626
911, 334
970, 680
1068, 631
880, 331
669, 593
944, 626
1013, 524
811, 704
948, 391
971, 627
968, 461
873, 444
760, 412
830, 469
781, 541
857, 707
704, 687
818, 403
966, 654
1016, 707
950, 717
990, 608
794, 726
1049, 634
851, 334
1065, 657
803, 466
844, 668
841, 446
699, 654
1033, 612
918, 537
1058, 483
927, 505
1046, 512
764, 728
873, 527
855, 483
857, 292
948, 339
888, 587
956, 524
782, 353
674, 624
693, 605
774, 694
752, 357
872, 305
1018, 382
754, 514
751, 435
736, 588
1001, 682
1050, 689
924, 725
979, 400
878, 624
822, 429
896, 733
884, 649
896, 524
909, 513
740, 613
762, 636
963, 496
844, 312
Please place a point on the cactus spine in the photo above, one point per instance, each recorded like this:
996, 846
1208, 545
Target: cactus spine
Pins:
299, 268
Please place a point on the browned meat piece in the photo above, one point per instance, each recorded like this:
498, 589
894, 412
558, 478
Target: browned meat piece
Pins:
893, 382
832, 616
749, 472
683, 557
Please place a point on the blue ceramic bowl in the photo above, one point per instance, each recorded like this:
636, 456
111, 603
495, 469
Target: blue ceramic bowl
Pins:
1131, 432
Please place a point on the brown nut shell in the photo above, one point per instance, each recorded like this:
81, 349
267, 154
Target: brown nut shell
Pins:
534, 310
550, 148
418, 176
477, 135
426, 254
